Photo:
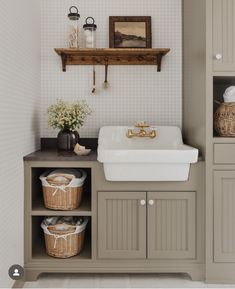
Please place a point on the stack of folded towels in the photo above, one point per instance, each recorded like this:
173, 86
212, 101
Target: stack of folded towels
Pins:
229, 95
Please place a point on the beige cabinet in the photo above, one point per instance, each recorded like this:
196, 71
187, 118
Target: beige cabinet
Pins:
224, 216
134, 227
171, 225
122, 225
223, 35
162, 224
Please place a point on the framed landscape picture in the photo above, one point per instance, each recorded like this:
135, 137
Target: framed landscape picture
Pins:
130, 32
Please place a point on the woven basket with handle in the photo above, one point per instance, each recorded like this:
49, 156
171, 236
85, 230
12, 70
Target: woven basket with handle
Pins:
64, 243
66, 195
224, 119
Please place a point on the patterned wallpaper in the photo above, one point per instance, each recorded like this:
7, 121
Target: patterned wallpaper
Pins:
135, 93
19, 119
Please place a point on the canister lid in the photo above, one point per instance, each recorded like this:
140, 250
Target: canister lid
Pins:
90, 25
73, 13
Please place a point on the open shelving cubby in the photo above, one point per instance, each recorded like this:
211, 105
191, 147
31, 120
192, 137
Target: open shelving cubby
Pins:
220, 84
38, 208
38, 212
38, 243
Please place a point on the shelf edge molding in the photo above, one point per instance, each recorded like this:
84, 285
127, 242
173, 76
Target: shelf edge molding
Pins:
112, 56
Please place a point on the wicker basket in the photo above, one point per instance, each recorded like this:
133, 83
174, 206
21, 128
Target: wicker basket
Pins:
64, 244
65, 195
224, 120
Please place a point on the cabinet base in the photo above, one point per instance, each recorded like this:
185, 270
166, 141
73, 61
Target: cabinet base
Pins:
196, 272
220, 273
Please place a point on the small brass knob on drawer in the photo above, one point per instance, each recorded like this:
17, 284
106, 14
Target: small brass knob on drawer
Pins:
151, 202
142, 202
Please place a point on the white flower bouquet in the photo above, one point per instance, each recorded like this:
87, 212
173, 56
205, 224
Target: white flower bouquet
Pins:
68, 116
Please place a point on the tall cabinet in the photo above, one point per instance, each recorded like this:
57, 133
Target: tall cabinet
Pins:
209, 65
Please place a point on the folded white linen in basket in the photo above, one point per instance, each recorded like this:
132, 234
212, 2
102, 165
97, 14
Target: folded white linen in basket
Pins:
229, 95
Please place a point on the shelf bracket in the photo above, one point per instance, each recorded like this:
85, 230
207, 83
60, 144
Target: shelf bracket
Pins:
159, 62
64, 58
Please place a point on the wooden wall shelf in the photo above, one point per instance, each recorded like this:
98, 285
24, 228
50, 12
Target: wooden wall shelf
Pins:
112, 56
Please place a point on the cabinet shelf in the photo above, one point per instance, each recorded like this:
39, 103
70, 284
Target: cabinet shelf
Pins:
112, 56
83, 210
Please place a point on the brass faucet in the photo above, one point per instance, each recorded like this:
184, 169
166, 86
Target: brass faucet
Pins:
142, 126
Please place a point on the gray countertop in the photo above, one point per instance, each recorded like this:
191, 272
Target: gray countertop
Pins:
55, 155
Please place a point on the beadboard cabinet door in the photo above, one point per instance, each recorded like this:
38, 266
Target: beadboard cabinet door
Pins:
224, 35
171, 225
122, 225
224, 216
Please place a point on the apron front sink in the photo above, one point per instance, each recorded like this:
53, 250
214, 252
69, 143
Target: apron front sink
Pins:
164, 158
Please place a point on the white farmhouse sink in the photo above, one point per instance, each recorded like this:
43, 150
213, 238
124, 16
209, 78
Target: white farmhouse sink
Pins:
164, 158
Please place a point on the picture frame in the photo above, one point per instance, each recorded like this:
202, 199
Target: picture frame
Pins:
130, 32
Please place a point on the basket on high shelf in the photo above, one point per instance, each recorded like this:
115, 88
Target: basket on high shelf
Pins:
63, 189
64, 243
224, 119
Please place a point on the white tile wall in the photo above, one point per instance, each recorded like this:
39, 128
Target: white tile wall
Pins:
135, 93
19, 119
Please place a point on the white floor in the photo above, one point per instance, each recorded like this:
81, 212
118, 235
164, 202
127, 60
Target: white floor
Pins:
118, 281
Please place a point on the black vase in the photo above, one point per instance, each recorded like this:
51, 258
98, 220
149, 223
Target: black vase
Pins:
66, 140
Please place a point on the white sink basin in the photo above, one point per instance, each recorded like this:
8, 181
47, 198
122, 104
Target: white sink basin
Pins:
164, 158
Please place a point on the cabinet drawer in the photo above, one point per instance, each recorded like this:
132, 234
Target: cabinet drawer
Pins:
224, 153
